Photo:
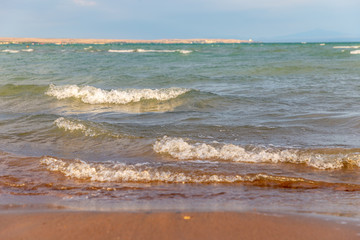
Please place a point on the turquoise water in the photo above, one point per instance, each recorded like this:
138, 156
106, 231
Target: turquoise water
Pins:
223, 126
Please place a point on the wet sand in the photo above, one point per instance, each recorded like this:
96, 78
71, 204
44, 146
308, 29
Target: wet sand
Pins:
5, 40
170, 225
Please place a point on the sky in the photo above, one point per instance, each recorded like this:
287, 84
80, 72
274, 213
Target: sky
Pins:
260, 20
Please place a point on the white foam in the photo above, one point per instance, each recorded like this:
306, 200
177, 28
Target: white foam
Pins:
10, 51
92, 95
27, 50
120, 51
163, 51
347, 47
120, 172
144, 172
87, 129
355, 52
73, 126
185, 51
150, 51
180, 149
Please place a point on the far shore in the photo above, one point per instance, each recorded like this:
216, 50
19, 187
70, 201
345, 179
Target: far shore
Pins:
170, 225
5, 40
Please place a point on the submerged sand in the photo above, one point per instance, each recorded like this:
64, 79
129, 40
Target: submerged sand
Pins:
5, 40
169, 225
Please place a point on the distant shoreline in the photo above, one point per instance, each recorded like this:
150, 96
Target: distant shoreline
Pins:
5, 40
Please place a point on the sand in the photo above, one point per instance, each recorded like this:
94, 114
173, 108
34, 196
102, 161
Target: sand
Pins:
169, 225
5, 40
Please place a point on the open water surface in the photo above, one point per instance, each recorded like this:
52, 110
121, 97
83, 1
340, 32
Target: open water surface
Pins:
274, 127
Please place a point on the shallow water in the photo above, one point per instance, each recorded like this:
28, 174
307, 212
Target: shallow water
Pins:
184, 126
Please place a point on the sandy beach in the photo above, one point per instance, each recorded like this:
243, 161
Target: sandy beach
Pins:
5, 40
170, 225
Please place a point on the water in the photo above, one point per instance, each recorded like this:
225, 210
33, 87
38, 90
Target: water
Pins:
184, 126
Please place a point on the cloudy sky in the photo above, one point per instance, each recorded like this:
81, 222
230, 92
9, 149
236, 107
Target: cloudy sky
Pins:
262, 20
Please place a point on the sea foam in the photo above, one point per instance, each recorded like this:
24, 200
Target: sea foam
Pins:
355, 52
121, 51
150, 51
17, 51
180, 149
346, 47
144, 172
10, 51
72, 126
87, 129
121, 172
93, 95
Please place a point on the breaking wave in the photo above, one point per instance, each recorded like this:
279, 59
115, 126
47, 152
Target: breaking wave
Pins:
72, 126
347, 47
121, 51
27, 50
145, 172
10, 51
180, 149
150, 51
93, 95
355, 52
17, 51
112, 172
88, 129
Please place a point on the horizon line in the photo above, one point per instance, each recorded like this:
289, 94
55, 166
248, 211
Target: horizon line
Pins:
106, 41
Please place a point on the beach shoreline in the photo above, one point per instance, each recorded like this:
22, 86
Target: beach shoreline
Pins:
170, 225
59, 41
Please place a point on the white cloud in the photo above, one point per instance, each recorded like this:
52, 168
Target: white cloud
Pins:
85, 3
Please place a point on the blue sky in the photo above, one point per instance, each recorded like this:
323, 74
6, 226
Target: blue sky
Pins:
262, 20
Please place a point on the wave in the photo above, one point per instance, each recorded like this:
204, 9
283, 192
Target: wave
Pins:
27, 50
147, 173
88, 129
180, 149
72, 126
121, 51
150, 51
10, 51
113, 172
355, 52
93, 95
347, 47
17, 51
